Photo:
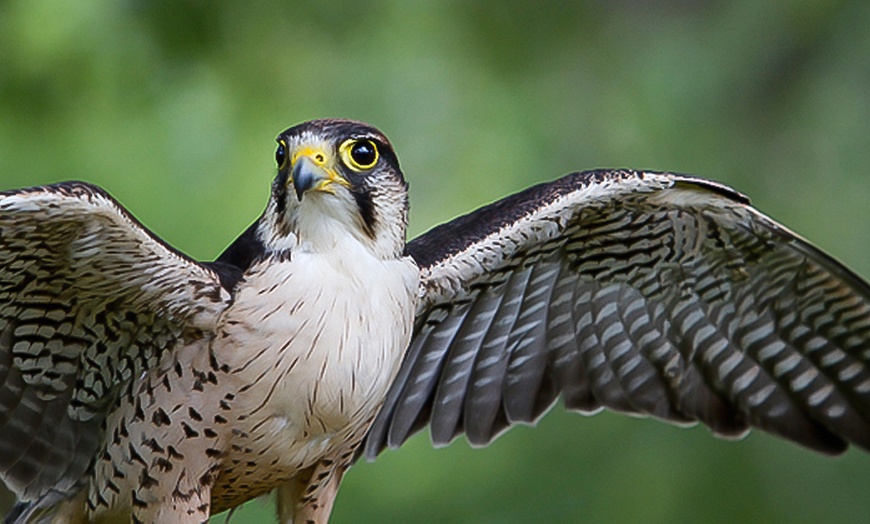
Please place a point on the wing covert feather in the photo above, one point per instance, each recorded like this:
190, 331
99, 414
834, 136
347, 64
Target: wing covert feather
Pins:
654, 294
89, 299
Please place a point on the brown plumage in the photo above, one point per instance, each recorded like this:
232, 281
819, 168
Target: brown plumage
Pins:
137, 382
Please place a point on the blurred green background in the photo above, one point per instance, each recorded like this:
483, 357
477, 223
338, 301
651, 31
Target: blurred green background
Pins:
173, 107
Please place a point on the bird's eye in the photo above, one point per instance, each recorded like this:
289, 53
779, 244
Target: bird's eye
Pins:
281, 153
359, 154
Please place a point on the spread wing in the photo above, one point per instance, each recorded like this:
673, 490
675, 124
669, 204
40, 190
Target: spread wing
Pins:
653, 294
88, 299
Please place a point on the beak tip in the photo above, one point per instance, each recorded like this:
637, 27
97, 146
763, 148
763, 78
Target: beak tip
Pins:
299, 193
304, 176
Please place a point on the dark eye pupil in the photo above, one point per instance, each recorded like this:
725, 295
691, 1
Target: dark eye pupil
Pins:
280, 155
363, 153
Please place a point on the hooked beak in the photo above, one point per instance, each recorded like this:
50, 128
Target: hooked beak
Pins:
307, 175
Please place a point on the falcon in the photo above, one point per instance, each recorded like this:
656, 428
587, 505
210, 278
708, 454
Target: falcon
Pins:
137, 383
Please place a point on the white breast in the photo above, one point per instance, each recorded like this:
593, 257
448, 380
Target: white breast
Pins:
321, 336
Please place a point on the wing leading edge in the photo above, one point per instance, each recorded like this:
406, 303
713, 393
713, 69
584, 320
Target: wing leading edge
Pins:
89, 298
648, 293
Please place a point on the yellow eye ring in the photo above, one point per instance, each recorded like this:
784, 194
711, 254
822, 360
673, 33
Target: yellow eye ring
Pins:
359, 154
281, 154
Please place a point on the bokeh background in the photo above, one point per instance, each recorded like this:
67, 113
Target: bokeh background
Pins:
172, 105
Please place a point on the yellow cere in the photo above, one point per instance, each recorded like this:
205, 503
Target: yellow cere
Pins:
324, 161
315, 154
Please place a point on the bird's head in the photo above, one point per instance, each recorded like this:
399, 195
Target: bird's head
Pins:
337, 178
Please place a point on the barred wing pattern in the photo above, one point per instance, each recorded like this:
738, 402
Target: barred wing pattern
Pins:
646, 293
88, 299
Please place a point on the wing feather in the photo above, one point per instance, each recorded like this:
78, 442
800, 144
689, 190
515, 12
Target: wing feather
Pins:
450, 393
422, 378
89, 299
648, 293
484, 395
527, 366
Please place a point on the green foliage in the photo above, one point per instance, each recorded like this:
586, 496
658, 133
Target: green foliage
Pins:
173, 105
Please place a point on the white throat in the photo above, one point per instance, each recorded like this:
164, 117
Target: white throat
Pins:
324, 222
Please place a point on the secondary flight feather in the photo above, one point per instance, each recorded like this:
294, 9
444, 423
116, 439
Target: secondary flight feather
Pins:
138, 383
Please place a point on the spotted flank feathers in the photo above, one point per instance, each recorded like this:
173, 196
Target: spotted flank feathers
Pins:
139, 384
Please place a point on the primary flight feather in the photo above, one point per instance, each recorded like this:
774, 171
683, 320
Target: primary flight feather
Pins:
138, 383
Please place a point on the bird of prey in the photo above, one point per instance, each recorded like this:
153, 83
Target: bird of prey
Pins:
137, 383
